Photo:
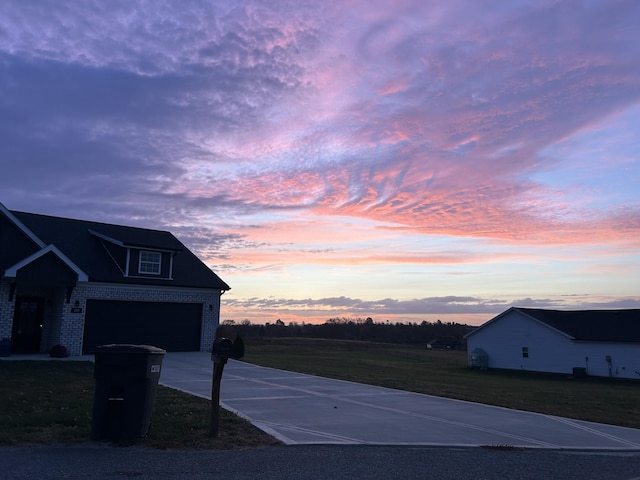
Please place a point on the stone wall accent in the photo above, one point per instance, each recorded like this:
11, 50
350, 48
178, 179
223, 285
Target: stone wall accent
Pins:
6, 311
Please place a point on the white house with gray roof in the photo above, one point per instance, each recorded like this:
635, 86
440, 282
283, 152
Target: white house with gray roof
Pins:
604, 343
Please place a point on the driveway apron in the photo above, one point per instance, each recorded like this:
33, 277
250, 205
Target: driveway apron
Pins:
304, 409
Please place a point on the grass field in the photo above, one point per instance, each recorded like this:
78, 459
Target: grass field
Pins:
444, 373
51, 402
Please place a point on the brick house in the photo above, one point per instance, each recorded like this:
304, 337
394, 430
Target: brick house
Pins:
81, 284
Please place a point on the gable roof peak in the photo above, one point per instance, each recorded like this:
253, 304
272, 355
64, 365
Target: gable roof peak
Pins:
21, 226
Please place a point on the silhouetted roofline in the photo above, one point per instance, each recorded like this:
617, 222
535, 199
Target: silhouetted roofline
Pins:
618, 325
21, 226
79, 244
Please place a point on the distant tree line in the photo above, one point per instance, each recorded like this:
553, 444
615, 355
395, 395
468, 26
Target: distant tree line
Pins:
354, 329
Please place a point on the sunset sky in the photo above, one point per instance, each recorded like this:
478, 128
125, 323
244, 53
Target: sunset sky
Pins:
402, 160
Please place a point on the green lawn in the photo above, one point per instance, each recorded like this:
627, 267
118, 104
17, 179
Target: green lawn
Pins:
444, 373
44, 402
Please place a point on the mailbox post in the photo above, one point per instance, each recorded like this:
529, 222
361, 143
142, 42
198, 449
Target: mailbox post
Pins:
223, 349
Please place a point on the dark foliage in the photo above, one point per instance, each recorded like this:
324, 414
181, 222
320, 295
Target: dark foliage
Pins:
354, 329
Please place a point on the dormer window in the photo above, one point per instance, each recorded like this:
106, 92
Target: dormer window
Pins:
150, 263
135, 259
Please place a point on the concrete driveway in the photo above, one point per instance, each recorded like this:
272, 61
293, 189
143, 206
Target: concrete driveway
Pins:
303, 409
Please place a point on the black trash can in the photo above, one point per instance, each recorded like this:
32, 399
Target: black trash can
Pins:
126, 384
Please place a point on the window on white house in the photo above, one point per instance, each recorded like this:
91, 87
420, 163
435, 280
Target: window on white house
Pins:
150, 263
525, 352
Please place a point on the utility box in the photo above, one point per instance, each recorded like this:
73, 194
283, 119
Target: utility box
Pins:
478, 359
126, 384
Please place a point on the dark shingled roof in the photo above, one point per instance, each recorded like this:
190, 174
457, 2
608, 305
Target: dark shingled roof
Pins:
591, 325
74, 239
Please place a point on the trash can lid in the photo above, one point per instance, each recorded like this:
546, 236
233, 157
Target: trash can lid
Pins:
127, 348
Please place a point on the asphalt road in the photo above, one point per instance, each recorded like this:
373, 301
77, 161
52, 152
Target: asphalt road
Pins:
334, 462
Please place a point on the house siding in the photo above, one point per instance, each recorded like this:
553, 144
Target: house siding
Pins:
625, 359
551, 351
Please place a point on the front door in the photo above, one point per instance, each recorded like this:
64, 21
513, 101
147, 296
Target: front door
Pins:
27, 325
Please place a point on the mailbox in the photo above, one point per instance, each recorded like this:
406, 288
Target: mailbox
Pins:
222, 348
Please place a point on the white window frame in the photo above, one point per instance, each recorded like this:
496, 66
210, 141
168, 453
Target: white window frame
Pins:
151, 266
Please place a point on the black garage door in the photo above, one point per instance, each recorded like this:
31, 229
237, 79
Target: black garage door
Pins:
176, 327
